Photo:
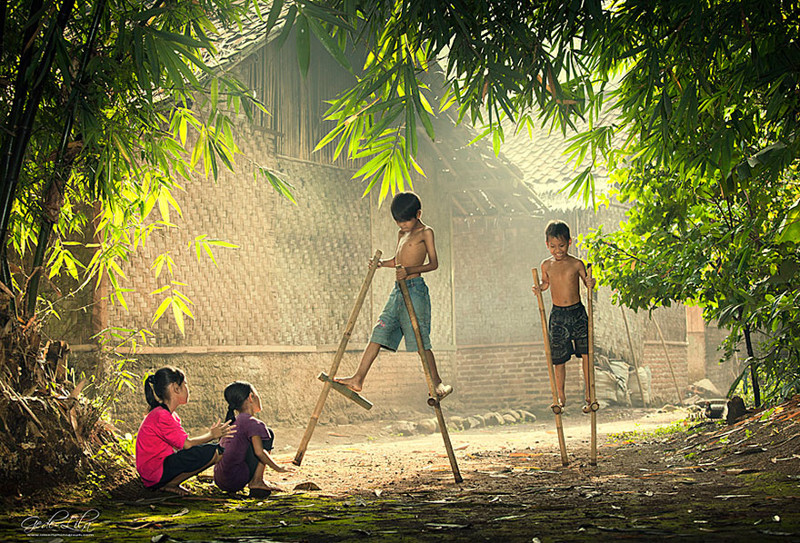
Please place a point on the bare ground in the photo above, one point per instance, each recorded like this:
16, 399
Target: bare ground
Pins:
712, 483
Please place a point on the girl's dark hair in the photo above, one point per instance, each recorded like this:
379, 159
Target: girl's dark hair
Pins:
156, 385
405, 206
235, 394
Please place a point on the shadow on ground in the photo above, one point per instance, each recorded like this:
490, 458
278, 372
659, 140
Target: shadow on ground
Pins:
683, 481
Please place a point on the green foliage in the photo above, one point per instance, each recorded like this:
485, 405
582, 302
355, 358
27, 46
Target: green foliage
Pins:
693, 107
145, 112
710, 111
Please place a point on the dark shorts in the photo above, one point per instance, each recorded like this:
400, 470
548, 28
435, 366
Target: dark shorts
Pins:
569, 333
186, 461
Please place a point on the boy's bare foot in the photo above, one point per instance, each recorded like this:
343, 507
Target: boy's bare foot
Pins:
350, 382
179, 490
443, 390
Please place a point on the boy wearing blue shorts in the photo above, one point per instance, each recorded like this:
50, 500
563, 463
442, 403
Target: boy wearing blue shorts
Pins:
415, 245
569, 323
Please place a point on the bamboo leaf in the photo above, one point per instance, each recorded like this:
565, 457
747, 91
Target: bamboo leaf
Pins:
274, 13
178, 314
160, 290
303, 44
330, 44
288, 23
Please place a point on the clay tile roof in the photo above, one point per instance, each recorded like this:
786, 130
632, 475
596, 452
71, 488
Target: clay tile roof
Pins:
237, 42
544, 166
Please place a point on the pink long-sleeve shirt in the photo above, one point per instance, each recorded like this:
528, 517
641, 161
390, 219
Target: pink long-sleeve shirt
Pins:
160, 435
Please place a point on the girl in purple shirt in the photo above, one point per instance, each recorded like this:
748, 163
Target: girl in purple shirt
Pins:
246, 453
165, 455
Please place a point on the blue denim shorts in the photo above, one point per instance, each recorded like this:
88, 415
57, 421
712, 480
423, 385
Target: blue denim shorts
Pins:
394, 322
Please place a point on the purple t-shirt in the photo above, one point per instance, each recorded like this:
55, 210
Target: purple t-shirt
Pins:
231, 473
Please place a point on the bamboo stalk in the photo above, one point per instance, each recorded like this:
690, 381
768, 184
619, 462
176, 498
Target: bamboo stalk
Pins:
58, 180
337, 358
669, 362
550, 372
633, 356
22, 132
426, 367
590, 373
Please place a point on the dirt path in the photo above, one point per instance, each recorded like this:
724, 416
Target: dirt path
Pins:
350, 459
714, 483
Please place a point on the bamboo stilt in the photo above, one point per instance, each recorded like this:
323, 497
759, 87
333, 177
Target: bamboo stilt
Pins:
431, 388
346, 392
337, 358
590, 374
556, 408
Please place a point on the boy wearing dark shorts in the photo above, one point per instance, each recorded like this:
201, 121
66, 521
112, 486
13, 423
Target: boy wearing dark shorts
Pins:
569, 324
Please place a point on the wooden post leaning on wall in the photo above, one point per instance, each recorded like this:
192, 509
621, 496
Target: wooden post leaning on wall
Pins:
633, 357
669, 362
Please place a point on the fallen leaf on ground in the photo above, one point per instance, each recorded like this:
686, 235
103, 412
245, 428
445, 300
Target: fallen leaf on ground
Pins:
307, 485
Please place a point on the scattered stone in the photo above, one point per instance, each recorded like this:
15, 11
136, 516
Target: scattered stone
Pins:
427, 426
456, 423
403, 428
473, 422
494, 419
509, 418
341, 420
481, 420
705, 389
527, 416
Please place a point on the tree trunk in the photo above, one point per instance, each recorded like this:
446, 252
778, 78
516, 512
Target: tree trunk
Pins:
753, 367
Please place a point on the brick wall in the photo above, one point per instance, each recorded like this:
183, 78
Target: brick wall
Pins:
288, 386
720, 370
511, 376
662, 385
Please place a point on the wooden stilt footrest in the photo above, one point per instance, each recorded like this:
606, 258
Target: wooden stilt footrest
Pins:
346, 392
439, 397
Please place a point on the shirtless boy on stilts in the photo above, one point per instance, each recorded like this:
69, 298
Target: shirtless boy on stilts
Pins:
415, 245
569, 329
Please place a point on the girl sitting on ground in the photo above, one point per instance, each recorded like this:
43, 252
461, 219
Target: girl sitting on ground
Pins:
165, 455
246, 453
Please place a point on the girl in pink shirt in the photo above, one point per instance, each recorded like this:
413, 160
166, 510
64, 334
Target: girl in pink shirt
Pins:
165, 455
